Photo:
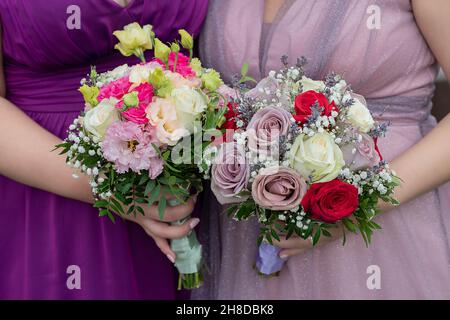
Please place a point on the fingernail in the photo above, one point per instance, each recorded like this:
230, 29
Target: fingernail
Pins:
284, 257
194, 223
172, 259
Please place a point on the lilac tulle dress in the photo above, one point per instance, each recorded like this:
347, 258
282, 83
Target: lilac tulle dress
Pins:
41, 234
393, 67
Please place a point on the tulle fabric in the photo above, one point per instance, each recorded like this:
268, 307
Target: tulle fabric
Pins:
395, 70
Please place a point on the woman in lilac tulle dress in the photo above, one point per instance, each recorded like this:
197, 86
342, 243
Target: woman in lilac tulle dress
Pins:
379, 49
53, 247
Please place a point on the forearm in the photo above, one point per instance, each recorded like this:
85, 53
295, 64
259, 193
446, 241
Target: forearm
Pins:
426, 165
26, 156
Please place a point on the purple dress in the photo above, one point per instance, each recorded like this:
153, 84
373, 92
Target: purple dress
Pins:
391, 65
42, 234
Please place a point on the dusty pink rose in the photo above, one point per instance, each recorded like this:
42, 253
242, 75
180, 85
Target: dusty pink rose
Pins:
230, 173
365, 155
266, 126
278, 188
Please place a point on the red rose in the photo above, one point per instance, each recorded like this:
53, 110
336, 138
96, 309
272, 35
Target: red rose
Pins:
230, 117
375, 141
331, 201
304, 102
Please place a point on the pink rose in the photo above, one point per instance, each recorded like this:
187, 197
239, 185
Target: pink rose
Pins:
136, 115
278, 189
365, 155
230, 173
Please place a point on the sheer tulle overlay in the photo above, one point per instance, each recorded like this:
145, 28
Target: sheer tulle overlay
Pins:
41, 234
395, 70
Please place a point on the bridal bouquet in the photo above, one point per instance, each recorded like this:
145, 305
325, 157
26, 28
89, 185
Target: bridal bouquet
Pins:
302, 157
138, 135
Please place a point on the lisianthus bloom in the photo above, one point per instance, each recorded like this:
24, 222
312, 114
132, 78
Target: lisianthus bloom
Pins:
278, 188
129, 147
134, 39
305, 101
331, 201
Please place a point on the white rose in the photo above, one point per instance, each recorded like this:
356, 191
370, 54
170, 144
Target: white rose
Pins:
309, 84
140, 73
97, 120
359, 115
189, 103
317, 157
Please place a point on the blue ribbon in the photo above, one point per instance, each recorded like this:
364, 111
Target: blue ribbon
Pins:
268, 262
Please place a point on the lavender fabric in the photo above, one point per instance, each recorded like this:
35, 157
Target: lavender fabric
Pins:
394, 69
268, 261
42, 234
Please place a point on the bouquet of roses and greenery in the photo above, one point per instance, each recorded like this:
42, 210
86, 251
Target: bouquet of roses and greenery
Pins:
141, 131
302, 157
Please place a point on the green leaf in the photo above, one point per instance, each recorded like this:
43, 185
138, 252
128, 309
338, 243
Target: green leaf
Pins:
154, 196
349, 225
101, 204
244, 70
143, 180
103, 213
117, 205
316, 237
149, 187
162, 207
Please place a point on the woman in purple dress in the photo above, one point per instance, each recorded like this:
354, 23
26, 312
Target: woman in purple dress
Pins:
52, 243
388, 51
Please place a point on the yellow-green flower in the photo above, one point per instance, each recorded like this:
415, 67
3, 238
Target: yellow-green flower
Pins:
161, 50
211, 80
134, 39
90, 94
174, 47
196, 65
186, 39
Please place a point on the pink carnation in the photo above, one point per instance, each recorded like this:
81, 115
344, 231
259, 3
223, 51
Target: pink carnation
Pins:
116, 89
129, 147
138, 114
183, 65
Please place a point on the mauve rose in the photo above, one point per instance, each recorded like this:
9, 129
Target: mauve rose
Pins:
278, 188
230, 173
366, 155
266, 126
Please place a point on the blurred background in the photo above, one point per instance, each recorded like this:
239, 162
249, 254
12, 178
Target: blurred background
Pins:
441, 98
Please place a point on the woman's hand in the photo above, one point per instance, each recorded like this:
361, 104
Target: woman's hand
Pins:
160, 230
296, 245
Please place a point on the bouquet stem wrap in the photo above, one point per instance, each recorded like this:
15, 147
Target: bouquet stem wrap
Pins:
188, 261
268, 262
